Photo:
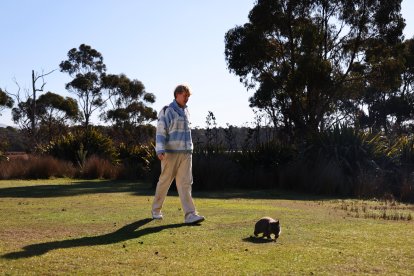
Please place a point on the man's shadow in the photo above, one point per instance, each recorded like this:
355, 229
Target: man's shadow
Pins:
127, 232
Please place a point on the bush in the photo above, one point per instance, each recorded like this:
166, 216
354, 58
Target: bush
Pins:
351, 158
139, 161
214, 171
77, 146
259, 168
35, 167
99, 168
250, 168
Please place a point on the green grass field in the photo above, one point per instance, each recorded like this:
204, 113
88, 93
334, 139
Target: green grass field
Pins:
65, 226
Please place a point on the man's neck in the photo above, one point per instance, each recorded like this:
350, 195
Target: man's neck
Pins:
179, 105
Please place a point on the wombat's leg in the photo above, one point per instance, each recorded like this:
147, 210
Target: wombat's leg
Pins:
256, 233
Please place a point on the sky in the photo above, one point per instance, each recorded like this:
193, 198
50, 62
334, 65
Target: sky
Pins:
160, 43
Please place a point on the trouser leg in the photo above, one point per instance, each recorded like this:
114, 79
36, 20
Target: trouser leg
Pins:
184, 181
164, 181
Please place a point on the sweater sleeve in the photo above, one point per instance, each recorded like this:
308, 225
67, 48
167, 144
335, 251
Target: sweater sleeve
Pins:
161, 134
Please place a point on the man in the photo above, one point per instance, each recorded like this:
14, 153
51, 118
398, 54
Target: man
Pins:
174, 148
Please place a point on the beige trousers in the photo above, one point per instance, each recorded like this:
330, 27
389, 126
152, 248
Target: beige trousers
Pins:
178, 166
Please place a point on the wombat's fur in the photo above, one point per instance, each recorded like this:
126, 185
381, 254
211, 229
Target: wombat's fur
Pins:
267, 226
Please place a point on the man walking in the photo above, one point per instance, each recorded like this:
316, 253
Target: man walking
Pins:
174, 148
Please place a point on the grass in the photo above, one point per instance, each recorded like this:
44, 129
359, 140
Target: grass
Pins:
65, 226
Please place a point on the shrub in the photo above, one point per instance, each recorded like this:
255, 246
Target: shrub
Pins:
358, 155
404, 149
259, 168
214, 171
78, 145
99, 168
248, 168
35, 167
139, 161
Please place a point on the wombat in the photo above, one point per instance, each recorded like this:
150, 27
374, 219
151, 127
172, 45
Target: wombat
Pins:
267, 226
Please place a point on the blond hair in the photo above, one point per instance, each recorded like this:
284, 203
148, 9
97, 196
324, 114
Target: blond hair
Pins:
182, 88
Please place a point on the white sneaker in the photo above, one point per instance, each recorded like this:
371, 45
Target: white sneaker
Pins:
193, 218
156, 215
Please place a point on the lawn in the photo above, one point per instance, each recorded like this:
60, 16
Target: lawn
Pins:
65, 226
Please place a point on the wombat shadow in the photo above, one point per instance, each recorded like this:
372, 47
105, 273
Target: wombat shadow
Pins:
254, 239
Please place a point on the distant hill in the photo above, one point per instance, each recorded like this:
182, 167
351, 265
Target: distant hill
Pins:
3, 125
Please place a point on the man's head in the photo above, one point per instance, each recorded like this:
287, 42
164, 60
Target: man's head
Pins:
181, 94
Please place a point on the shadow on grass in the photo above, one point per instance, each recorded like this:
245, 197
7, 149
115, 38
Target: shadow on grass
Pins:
258, 240
125, 233
77, 188
145, 189
260, 194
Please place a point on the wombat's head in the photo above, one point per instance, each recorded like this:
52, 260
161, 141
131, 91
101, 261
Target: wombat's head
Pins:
274, 227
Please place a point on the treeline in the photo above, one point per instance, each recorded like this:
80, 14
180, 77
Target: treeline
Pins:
342, 161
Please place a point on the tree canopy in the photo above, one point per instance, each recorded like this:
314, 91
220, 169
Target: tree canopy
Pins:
312, 62
128, 99
86, 66
95, 89
5, 100
52, 111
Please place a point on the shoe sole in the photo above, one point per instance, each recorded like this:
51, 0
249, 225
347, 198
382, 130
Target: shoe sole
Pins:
159, 217
197, 221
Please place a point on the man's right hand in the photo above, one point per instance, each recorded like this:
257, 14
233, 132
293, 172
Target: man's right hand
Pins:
161, 156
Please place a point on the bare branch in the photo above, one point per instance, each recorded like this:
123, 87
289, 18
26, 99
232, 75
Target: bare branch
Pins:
41, 76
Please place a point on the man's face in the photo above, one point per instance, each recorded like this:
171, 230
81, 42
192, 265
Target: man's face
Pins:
182, 98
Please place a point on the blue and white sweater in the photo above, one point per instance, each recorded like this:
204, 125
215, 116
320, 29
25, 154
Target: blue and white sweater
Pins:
173, 130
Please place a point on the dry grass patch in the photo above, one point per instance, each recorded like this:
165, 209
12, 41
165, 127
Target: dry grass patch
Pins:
374, 209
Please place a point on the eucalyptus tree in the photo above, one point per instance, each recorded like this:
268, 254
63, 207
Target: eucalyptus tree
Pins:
303, 58
53, 113
5, 101
85, 65
129, 101
128, 109
56, 112
24, 114
390, 95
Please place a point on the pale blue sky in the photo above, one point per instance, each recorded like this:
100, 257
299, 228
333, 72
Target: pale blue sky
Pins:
160, 42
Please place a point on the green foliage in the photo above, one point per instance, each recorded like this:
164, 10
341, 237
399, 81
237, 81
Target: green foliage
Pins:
3, 157
76, 146
52, 115
352, 149
355, 157
13, 139
404, 149
86, 67
253, 168
81, 155
5, 100
259, 166
128, 99
49, 103
304, 59
4, 144
138, 160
